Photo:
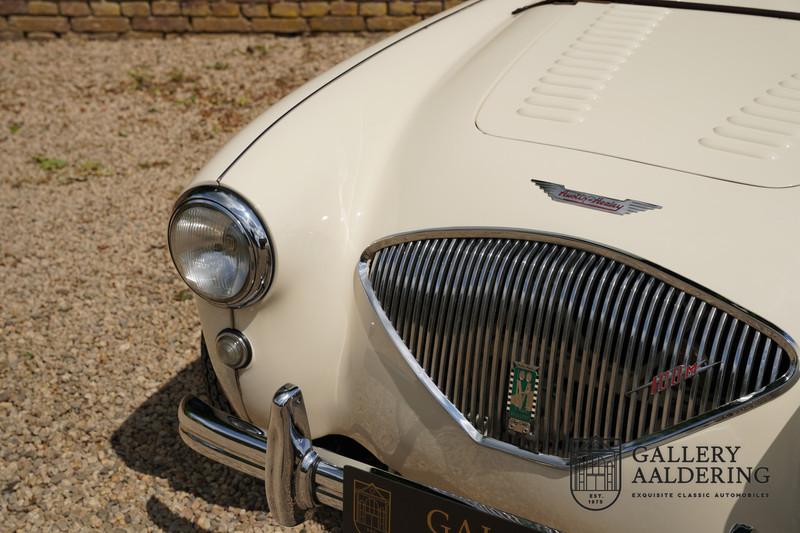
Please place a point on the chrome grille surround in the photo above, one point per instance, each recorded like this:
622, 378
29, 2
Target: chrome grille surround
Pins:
461, 304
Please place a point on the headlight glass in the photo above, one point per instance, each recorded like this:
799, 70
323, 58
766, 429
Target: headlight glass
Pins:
220, 248
211, 252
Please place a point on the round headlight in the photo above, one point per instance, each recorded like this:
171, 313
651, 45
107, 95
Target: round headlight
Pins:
220, 247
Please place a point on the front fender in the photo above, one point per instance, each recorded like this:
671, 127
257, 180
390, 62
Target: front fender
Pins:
311, 177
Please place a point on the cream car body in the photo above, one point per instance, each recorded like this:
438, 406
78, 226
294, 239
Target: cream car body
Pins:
445, 126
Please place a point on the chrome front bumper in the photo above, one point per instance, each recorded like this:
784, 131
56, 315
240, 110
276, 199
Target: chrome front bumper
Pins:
296, 478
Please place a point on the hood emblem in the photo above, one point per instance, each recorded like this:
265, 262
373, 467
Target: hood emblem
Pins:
559, 193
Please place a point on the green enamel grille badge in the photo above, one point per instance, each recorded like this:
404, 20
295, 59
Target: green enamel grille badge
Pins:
523, 393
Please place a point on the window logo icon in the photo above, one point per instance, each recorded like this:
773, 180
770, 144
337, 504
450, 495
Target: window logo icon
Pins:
372, 508
595, 469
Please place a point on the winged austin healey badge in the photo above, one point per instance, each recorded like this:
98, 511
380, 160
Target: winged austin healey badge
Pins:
559, 193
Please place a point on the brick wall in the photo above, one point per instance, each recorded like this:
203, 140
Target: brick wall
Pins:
48, 19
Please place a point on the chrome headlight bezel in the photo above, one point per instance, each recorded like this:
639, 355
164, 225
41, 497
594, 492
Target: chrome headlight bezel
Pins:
261, 261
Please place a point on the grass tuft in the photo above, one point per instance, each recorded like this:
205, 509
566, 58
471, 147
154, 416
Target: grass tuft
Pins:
49, 163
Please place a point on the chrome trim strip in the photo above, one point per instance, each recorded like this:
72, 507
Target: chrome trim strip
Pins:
703, 341
663, 366
648, 320
749, 368
763, 365
632, 363
596, 263
222, 437
242, 446
686, 359
624, 322
552, 315
558, 270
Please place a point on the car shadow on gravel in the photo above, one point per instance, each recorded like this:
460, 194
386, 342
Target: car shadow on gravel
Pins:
148, 442
164, 518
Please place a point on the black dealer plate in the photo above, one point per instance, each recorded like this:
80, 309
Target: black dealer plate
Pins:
379, 502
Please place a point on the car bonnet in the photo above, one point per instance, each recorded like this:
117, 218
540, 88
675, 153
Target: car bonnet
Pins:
708, 93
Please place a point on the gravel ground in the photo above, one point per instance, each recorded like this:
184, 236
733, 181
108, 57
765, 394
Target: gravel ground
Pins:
98, 336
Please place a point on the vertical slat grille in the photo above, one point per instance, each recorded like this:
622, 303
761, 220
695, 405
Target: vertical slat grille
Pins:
598, 331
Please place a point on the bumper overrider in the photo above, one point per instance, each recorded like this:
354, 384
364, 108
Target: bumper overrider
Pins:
296, 477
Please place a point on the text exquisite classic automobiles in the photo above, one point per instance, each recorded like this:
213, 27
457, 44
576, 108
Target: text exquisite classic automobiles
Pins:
537, 261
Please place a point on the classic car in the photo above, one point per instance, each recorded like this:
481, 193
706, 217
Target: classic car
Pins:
531, 266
